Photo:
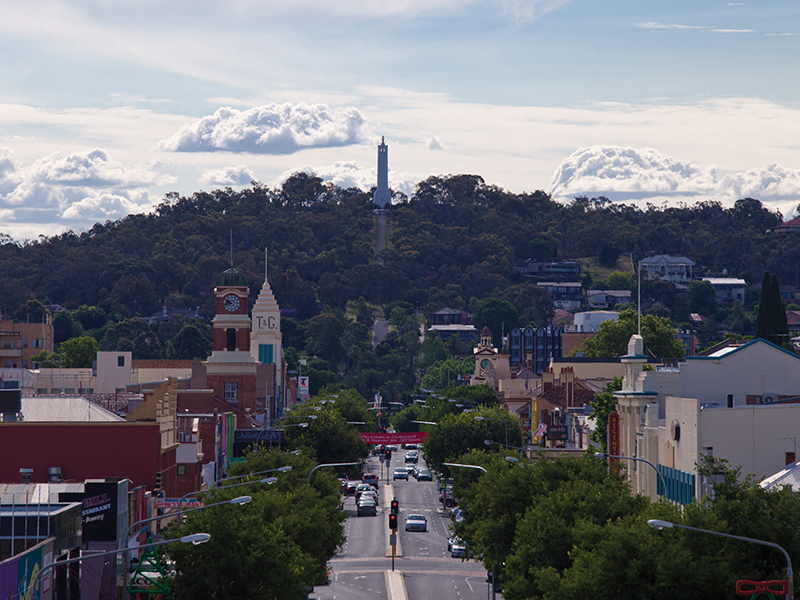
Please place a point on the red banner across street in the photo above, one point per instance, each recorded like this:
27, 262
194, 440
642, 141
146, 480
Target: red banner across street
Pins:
395, 438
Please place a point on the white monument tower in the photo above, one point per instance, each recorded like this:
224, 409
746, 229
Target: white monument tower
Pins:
382, 198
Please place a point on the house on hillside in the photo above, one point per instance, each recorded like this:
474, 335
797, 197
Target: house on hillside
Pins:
728, 288
607, 298
551, 270
676, 269
566, 295
450, 321
792, 226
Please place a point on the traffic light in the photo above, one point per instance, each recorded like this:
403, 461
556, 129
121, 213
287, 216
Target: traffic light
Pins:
395, 507
388, 454
383, 449
393, 521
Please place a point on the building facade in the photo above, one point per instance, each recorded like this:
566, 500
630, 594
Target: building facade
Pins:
20, 342
676, 269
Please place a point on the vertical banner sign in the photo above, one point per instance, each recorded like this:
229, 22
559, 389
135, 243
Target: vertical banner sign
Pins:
613, 439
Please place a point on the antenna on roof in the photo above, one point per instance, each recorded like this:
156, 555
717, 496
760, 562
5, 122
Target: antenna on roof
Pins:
231, 248
266, 260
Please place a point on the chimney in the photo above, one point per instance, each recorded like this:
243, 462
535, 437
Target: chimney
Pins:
55, 474
568, 380
26, 475
547, 379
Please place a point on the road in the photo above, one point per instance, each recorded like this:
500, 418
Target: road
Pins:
424, 564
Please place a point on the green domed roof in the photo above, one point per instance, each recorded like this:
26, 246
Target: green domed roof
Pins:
231, 278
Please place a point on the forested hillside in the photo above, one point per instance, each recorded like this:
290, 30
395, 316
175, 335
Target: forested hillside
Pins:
452, 243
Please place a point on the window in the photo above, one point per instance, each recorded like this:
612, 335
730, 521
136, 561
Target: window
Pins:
6, 364
231, 339
120, 361
231, 391
41, 390
7, 343
69, 391
181, 469
55, 391
265, 354
24, 364
24, 342
15, 343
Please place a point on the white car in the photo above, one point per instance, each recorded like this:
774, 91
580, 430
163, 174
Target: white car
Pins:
416, 522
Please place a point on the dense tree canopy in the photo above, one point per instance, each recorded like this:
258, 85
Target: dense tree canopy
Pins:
612, 339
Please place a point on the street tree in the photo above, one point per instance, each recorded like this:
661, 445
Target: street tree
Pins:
78, 353
276, 546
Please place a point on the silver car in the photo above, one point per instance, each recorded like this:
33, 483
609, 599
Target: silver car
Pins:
416, 522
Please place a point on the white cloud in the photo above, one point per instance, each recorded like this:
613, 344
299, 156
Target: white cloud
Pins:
270, 129
433, 143
531, 10
624, 173
629, 171
106, 206
772, 182
656, 25
228, 176
91, 168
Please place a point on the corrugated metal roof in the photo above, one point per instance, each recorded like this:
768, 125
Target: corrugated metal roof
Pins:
70, 409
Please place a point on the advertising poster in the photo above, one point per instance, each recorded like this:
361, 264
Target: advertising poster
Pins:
302, 388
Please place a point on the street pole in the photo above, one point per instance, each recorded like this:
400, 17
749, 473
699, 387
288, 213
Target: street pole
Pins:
658, 524
603, 455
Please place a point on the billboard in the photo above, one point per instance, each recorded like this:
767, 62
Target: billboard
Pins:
416, 437
19, 575
302, 388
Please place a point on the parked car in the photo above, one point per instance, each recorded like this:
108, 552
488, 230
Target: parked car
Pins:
367, 506
399, 474
424, 475
416, 522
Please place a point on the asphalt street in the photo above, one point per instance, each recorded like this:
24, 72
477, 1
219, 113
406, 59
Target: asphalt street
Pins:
423, 567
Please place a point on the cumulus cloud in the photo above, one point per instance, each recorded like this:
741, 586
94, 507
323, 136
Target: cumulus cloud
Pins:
76, 190
624, 173
628, 171
229, 176
270, 129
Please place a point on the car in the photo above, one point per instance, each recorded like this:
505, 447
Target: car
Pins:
416, 522
391, 448
399, 474
424, 475
350, 488
370, 478
447, 498
367, 506
410, 446
364, 487
458, 548
411, 457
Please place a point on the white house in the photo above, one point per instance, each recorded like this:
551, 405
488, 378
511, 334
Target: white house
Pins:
589, 321
677, 269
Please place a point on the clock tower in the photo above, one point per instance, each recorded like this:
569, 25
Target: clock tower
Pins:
231, 370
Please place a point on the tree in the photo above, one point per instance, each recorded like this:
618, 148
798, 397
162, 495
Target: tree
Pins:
702, 297
771, 319
65, 327
323, 337
602, 405
191, 343
78, 353
327, 438
612, 339
276, 546
496, 314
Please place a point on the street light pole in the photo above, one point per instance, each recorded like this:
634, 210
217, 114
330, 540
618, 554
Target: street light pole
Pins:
195, 538
658, 524
465, 466
604, 455
505, 423
347, 464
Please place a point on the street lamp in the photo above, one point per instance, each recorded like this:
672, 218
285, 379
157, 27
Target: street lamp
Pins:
604, 455
465, 466
194, 538
505, 424
347, 464
425, 422
658, 524
215, 484
490, 442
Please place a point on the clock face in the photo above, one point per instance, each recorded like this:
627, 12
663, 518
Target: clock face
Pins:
230, 302
484, 363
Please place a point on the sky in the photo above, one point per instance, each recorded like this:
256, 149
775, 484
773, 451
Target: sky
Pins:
108, 105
